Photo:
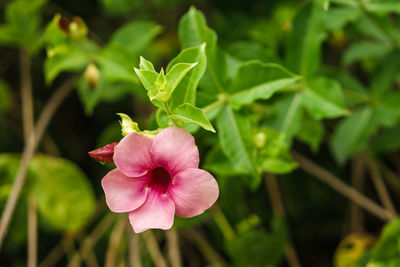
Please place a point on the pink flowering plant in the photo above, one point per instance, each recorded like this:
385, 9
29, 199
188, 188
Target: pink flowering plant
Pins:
157, 172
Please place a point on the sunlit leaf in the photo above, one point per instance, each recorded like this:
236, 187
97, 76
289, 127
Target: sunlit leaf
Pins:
255, 80
234, 132
64, 196
186, 89
323, 98
352, 134
193, 31
191, 114
286, 116
135, 36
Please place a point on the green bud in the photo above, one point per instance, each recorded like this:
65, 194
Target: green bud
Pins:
92, 75
78, 29
259, 139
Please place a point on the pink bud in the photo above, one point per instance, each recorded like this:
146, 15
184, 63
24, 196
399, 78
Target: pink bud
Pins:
104, 154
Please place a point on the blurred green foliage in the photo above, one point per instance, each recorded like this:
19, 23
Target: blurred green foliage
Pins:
318, 76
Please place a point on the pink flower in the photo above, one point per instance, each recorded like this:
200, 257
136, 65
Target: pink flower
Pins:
158, 178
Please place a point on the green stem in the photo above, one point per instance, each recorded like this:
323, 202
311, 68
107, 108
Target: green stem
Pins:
223, 224
169, 113
213, 105
214, 78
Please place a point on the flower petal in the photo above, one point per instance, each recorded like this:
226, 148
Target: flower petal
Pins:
157, 212
193, 191
174, 149
132, 155
124, 194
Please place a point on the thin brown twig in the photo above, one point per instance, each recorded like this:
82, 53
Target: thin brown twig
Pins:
90, 241
28, 123
134, 250
279, 210
173, 248
380, 186
357, 181
154, 250
29, 151
274, 195
32, 232
391, 177
91, 260
26, 93
206, 249
67, 241
115, 240
346, 190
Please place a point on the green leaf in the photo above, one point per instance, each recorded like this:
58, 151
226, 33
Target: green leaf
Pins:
135, 36
9, 164
148, 78
281, 164
386, 250
117, 64
387, 141
375, 27
382, 6
323, 98
191, 114
304, 44
118, 7
64, 196
385, 74
250, 50
364, 50
176, 74
273, 155
219, 164
160, 90
325, 4
22, 24
387, 109
286, 116
353, 3
336, 18
185, 92
311, 132
353, 91
351, 134
89, 96
53, 35
257, 247
234, 132
193, 31
146, 65
255, 80
74, 57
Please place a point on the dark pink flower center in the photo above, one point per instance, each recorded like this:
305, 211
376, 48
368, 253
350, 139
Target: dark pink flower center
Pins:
160, 180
